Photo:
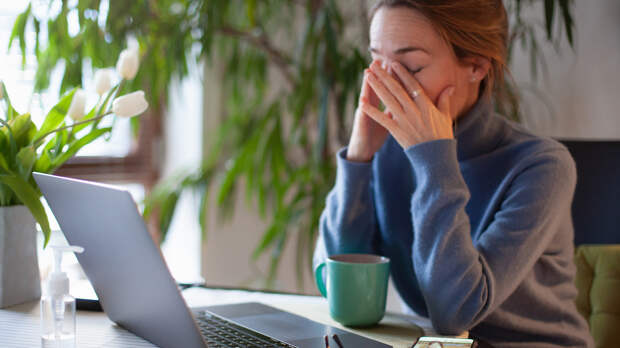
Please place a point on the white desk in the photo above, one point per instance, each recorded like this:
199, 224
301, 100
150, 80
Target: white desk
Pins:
20, 325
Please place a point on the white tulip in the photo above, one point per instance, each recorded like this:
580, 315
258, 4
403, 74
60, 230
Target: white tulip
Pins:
130, 105
78, 105
103, 81
128, 63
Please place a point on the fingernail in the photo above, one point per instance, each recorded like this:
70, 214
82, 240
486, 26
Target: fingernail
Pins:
394, 64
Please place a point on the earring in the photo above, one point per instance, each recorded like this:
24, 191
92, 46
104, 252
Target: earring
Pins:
473, 79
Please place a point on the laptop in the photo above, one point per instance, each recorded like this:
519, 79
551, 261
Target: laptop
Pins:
137, 291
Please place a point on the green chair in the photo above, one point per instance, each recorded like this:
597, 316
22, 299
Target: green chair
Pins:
598, 284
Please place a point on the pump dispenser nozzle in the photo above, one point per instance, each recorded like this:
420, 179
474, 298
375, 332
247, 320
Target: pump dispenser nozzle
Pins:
58, 283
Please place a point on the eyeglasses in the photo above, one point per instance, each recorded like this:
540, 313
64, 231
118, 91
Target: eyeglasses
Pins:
335, 338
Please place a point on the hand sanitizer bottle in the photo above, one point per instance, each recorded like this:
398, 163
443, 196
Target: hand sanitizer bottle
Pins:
57, 306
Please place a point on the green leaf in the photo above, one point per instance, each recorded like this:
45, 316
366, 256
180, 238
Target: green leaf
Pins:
4, 164
203, 209
77, 145
239, 164
23, 129
8, 134
19, 31
25, 161
322, 122
29, 196
43, 164
37, 32
251, 11
274, 230
7, 197
565, 5
166, 213
57, 115
11, 111
549, 16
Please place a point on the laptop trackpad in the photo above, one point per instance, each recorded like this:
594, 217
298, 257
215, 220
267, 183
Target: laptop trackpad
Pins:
284, 326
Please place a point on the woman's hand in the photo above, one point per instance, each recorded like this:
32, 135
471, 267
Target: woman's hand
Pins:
368, 136
410, 116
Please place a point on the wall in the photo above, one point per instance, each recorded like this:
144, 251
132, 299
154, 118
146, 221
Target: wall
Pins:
226, 256
583, 88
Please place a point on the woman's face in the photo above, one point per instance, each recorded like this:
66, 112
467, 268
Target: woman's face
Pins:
404, 35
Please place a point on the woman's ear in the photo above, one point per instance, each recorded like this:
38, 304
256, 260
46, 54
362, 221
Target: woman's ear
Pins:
478, 67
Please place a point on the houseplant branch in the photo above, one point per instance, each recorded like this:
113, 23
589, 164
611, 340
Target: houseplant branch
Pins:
37, 142
279, 58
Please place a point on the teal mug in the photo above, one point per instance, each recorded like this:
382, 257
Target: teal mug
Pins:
356, 287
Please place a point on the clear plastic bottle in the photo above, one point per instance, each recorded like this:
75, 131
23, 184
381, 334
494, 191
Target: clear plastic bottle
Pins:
58, 322
57, 306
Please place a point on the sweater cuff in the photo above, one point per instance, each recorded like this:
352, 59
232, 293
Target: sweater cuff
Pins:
436, 156
351, 175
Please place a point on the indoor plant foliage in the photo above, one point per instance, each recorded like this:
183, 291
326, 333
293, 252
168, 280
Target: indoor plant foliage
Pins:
291, 72
67, 128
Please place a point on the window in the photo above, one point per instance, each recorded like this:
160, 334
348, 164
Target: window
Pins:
121, 159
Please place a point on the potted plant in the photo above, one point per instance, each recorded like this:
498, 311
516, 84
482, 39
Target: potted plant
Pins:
25, 148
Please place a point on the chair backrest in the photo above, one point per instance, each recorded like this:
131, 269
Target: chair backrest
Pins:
598, 284
596, 206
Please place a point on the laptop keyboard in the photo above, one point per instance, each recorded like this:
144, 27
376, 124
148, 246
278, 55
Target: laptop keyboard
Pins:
219, 332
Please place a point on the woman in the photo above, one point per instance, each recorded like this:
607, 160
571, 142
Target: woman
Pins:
472, 210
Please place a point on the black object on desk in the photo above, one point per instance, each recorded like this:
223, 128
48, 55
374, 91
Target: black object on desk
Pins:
87, 304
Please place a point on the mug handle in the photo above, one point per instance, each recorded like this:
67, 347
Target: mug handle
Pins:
318, 276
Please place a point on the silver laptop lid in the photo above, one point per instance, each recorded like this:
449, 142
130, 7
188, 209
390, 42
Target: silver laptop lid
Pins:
121, 260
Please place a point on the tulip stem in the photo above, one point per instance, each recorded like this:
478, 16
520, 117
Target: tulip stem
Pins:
42, 137
113, 92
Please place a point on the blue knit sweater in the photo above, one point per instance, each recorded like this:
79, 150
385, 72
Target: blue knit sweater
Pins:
478, 230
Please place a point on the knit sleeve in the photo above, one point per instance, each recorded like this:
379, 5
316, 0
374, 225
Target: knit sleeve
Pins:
463, 281
348, 222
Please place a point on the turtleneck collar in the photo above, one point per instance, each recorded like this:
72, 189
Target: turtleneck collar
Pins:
478, 131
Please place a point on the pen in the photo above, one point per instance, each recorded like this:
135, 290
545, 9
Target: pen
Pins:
326, 341
337, 339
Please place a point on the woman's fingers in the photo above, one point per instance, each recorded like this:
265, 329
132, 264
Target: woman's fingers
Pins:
384, 94
392, 85
380, 117
389, 123
412, 86
443, 119
365, 88
444, 101
367, 91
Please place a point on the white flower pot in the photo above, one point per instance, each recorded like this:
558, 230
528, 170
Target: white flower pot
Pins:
20, 280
